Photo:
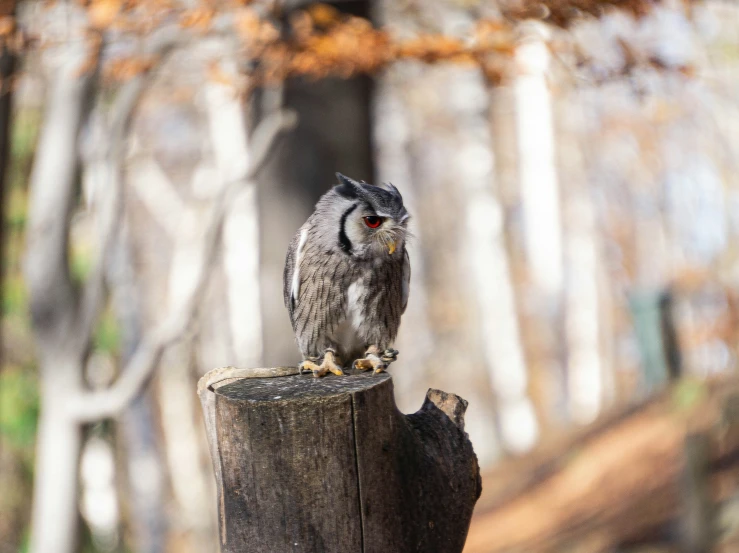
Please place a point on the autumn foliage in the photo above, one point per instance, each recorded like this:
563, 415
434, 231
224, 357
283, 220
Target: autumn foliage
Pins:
319, 40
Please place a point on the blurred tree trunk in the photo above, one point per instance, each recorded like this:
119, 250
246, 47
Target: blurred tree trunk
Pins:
162, 270
139, 429
7, 69
589, 381
145, 475
240, 290
541, 219
61, 343
505, 356
189, 471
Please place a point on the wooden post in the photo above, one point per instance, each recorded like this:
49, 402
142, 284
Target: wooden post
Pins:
697, 517
330, 465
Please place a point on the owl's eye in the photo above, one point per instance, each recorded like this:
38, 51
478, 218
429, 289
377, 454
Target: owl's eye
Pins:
373, 221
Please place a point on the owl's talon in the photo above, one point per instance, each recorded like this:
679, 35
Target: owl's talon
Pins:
308, 366
362, 364
390, 355
373, 360
328, 364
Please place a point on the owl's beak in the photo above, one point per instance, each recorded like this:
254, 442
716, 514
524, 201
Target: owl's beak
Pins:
391, 247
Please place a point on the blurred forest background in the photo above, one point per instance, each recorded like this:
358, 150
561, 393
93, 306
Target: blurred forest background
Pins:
571, 167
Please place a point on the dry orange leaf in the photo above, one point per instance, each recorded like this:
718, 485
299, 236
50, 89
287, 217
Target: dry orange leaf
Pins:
124, 69
323, 15
102, 13
216, 74
7, 25
198, 18
301, 25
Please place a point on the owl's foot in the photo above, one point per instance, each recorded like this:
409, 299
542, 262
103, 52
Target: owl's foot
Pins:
389, 355
375, 360
328, 364
309, 366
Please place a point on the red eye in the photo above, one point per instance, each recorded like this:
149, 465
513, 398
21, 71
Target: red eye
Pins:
372, 221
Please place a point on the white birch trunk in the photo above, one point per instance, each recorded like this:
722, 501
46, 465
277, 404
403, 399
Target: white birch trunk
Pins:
230, 147
59, 439
586, 375
542, 227
487, 256
193, 490
504, 356
538, 172
585, 370
53, 302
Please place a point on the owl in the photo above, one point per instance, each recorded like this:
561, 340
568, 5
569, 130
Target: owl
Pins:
346, 278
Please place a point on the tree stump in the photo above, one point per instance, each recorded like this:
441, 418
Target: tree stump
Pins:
330, 465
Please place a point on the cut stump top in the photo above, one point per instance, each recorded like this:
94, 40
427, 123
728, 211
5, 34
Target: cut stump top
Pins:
304, 387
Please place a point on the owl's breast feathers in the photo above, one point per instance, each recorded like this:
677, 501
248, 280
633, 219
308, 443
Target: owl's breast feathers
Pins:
333, 296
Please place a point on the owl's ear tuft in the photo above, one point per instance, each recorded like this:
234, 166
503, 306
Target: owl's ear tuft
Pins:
390, 187
349, 188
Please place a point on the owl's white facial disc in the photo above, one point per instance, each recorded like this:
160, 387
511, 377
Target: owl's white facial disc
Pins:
373, 220
363, 232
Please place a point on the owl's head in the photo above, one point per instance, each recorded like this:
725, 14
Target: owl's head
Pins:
373, 219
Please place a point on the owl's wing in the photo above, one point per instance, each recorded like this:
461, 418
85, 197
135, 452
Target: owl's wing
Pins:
406, 286
287, 274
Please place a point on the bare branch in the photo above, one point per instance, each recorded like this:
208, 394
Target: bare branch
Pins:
160, 197
137, 373
263, 137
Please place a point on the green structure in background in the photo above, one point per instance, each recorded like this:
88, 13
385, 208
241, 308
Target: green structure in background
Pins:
656, 335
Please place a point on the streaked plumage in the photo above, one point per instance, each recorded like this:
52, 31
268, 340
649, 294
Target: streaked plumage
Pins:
345, 282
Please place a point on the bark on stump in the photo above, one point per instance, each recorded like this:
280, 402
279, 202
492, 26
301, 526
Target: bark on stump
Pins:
330, 465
